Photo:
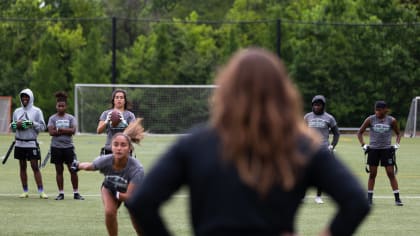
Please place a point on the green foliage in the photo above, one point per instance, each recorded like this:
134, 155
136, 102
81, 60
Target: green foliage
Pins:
18, 40
52, 67
172, 54
353, 52
208, 10
371, 60
91, 62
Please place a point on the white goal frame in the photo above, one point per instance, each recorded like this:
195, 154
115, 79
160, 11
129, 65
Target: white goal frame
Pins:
192, 101
412, 125
5, 115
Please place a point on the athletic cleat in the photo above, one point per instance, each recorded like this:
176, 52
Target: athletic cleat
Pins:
319, 200
399, 203
43, 195
24, 195
60, 197
77, 196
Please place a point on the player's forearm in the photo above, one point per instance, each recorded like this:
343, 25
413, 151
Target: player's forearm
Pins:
85, 166
66, 131
101, 127
336, 136
398, 139
128, 193
360, 138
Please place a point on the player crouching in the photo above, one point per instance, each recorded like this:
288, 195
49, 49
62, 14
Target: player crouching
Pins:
122, 172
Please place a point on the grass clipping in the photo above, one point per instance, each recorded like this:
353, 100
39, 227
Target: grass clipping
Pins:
135, 131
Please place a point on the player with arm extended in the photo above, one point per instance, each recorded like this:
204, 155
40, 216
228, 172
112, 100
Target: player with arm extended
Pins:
27, 122
119, 103
379, 150
247, 169
325, 123
62, 126
123, 173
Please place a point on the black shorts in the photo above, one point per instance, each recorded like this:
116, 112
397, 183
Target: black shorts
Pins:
62, 155
28, 154
383, 156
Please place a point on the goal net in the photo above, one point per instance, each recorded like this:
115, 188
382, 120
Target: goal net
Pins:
5, 115
413, 121
165, 109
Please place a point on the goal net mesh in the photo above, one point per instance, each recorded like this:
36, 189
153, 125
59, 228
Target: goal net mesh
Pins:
165, 109
5, 115
413, 121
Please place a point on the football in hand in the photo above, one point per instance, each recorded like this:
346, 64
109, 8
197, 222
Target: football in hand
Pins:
115, 118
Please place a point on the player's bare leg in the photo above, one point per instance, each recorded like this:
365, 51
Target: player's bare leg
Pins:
110, 207
59, 176
394, 184
75, 183
38, 179
23, 178
73, 177
373, 171
60, 181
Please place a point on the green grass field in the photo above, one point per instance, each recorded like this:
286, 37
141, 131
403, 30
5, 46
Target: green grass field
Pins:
34, 216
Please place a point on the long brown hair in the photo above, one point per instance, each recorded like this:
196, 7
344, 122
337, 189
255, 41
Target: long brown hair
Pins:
258, 114
127, 104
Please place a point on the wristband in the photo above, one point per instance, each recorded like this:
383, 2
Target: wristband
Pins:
117, 195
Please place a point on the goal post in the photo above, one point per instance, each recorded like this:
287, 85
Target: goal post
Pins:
5, 115
413, 121
166, 109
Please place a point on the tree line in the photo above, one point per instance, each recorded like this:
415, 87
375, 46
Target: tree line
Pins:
352, 52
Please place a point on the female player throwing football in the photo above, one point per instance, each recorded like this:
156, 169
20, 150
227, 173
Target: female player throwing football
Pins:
120, 104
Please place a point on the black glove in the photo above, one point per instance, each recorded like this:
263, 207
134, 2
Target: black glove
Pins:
115, 183
75, 166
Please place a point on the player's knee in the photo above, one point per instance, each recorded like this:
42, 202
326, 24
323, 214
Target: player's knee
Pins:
110, 212
391, 175
372, 175
35, 168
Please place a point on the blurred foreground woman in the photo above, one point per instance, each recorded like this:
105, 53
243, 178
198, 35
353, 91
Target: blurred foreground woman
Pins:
248, 169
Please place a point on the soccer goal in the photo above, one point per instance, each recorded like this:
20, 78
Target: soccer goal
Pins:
166, 109
413, 121
5, 115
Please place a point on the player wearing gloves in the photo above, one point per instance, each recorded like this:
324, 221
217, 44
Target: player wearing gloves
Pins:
122, 173
379, 149
27, 122
323, 122
109, 123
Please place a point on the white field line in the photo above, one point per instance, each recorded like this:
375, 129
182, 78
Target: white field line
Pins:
186, 195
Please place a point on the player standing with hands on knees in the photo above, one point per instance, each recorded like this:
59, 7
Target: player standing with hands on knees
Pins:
62, 126
323, 122
27, 122
379, 150
247, 169
119, 103
122, 173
